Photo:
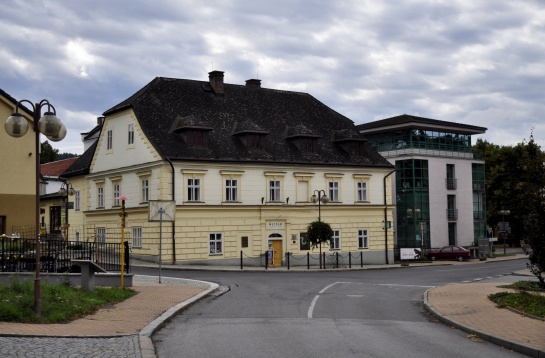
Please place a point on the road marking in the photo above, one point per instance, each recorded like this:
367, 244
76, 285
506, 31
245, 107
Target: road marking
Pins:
313, 303
396, 285
354, 296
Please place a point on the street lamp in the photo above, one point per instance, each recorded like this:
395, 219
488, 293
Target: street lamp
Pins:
320, 198
503, 213
52, 127
65, 191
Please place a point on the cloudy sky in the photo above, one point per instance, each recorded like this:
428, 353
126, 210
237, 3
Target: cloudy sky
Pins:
466, 61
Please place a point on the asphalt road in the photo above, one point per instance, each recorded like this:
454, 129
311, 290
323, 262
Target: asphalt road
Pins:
373, 313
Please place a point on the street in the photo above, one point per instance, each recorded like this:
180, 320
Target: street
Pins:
373, 313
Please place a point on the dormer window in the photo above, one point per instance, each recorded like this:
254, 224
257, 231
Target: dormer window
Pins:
303, 138
255, 141
197, 138
307, 145
350, 141
250, 134
194, 130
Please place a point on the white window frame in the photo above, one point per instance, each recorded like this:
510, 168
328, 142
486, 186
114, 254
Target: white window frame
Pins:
77, 200
231, 190
335, 243
144, 186
137, 236
100, 195
109, 139
130, 134
363, 239
116, 186
101, 235
361, 189
275, 190
215, 243
194, 190
333, 191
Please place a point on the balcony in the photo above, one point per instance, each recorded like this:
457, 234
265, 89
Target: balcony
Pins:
451, 183
452, 214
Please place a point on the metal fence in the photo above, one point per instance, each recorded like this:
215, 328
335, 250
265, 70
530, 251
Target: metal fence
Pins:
19, 254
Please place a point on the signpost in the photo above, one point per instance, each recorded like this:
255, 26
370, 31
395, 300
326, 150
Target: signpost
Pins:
161, 210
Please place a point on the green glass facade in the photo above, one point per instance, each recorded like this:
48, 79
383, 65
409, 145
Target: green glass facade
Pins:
413, 209
479, 202
419, 138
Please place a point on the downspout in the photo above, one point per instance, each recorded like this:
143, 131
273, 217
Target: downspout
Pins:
173, 223
385, 219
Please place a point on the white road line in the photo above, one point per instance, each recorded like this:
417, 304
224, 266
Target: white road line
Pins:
396, 285
311, 308
313, 303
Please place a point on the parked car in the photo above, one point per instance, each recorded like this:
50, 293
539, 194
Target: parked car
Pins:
451, 252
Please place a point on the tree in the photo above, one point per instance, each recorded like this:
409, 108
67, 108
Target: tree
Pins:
48, 154
66, 155
318, 232
534, 220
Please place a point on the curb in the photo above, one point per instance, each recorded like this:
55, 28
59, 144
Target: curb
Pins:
147, 349
517, 347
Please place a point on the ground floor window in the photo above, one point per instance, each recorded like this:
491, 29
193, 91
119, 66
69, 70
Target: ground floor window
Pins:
137, 236
101, 235
335, 243
363, 239
215, 241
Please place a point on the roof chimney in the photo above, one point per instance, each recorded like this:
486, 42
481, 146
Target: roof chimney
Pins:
216, 81
253, 83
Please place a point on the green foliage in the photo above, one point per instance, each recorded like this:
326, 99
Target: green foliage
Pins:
525, 286
530, 303
60, 303
318, 232
66, 155
48, 154
515, 180
534, 218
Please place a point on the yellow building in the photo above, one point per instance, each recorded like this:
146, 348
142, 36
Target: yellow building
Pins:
234, 168
18, 177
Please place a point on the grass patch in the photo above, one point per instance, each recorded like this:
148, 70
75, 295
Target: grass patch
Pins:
60, 303
527, 299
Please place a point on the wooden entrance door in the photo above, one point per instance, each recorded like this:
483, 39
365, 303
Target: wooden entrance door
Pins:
277, 253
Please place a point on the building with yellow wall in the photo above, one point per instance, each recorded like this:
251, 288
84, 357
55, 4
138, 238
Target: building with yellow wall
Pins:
18, 177
235, 167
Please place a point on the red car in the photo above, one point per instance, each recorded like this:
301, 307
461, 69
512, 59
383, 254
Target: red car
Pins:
451, 252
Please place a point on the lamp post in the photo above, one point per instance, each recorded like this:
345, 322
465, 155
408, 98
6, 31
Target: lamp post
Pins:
65, 191
51, 126
321, 198
503, 213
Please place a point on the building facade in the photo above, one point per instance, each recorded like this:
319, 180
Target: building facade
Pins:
234, 167
439, 182
18, 178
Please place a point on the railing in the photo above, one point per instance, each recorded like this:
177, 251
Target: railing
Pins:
18, 254
451, 183
452, 214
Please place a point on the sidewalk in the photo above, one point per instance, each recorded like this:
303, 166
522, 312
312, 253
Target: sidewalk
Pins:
132, 323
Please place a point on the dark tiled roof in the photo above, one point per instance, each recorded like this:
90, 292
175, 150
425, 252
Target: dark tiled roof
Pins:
57, 168
93, 131
406, 121
165, 103
82, 165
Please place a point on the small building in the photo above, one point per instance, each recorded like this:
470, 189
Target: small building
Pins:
235, 168
18, 177
439, 182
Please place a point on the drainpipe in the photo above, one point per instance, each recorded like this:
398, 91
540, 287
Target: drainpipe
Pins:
173, 223
385, 219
